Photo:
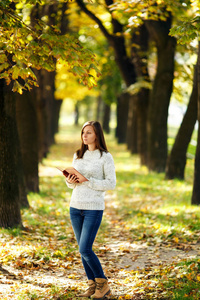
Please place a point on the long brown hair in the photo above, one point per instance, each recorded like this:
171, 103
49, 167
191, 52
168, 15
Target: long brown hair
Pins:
100, 140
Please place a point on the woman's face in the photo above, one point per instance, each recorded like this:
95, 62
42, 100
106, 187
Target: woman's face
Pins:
88, 136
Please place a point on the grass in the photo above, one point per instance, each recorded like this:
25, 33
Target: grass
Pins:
187, 275
143, 209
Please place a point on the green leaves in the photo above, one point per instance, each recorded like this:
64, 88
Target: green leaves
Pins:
187, 31
4, 66
17, 87
3, 59
24, 48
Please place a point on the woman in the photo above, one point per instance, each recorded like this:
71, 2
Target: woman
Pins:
87, 202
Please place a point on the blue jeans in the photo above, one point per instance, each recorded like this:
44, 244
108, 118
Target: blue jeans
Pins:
85, 224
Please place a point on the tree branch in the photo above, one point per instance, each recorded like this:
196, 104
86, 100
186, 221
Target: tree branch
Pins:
117, 27
117, 42
93, 17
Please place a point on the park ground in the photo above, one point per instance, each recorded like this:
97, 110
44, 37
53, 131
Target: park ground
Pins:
148, 243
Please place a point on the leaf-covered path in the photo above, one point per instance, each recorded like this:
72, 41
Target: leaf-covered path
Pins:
147, 244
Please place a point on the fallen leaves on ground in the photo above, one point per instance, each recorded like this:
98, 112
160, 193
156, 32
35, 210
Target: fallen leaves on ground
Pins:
149, 246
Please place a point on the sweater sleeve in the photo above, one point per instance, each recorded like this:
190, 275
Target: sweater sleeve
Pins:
109, 181
72, 185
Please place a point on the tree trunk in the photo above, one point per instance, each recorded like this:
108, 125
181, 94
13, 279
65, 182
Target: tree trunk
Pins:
22, 184
99, 108
56, 115
9, 149
196, 189
160, 95
128, 73
45, 107
132, 125
122, 113
76, 113
177, 159
140, 42
142, 116
106, 118
27, 128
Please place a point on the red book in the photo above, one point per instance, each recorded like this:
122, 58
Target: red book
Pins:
72, 171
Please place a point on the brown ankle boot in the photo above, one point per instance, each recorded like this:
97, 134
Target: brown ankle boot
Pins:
102, 289
91, 289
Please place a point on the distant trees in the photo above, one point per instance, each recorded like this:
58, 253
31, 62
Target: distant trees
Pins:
187, 32
116, 39
148, 112
157, 19
25, 47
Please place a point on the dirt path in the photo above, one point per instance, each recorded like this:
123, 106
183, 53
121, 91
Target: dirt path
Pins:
121, 257
125, 257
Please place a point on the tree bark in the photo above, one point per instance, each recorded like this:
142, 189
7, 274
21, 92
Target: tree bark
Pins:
140, 43
27, 129
9, 149
76, 113
160, 95
196, 190
56, 115
122, 113
22, 184
99, 108
142, 119
106, 118
177, 159
45, 108
132, 128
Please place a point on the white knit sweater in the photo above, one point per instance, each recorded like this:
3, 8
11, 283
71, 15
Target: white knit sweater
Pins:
100, 172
